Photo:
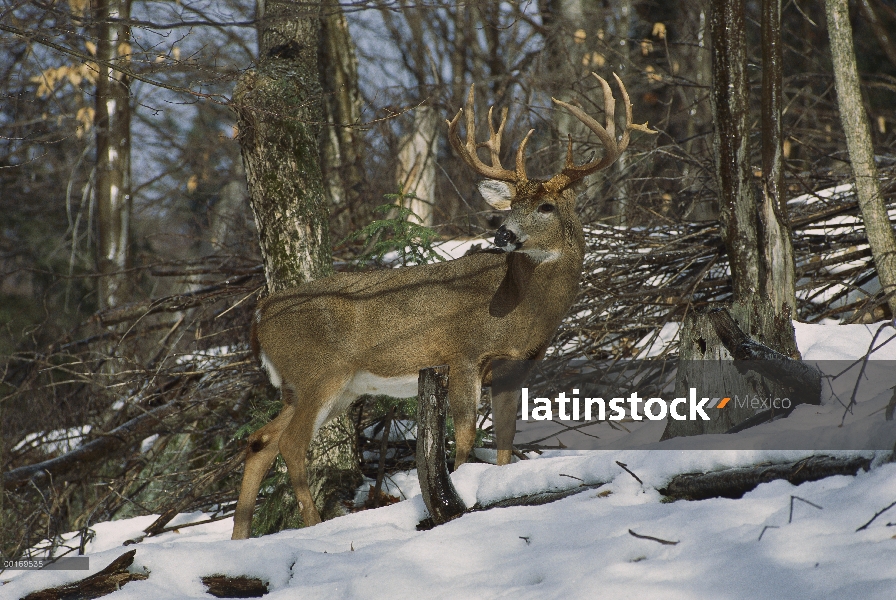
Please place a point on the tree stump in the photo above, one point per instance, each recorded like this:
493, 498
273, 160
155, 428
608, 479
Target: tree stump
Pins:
707, 365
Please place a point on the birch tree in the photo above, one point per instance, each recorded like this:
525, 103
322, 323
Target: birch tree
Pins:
112, 124
861, 151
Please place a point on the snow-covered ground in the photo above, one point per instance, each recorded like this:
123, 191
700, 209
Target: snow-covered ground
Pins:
765, 545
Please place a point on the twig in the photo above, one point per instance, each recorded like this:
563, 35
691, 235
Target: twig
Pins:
653, 539
629, 471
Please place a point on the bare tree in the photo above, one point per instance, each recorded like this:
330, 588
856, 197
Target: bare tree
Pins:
416, 166
341, 141
861, 150
776, 259
112, 122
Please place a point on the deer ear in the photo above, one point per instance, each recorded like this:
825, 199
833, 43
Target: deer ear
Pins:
498, 194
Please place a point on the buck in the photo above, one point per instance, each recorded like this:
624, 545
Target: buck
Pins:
327, 342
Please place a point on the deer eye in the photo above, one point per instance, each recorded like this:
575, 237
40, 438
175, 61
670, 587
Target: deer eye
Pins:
546, 207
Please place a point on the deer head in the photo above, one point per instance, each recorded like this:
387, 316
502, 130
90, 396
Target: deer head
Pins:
542, 220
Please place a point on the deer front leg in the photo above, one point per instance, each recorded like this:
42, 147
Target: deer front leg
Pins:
504, 405
507, 381
464, 389
263, 447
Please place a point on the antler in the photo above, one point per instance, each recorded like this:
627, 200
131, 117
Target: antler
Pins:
468, 151
572, 173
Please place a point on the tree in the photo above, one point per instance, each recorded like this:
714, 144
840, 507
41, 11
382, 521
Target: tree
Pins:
112, 123
756, 259
776, 258
861, 150
278, 106
341, 142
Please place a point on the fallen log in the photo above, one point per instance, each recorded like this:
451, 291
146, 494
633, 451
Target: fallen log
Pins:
224, 586
109, 580
735, 482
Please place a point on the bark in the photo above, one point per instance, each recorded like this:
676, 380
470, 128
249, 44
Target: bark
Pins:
113, 149
342, 143
777, 265
730, 106
705, 363
279, 114
861, 151
416, 171
278, 107
439, 495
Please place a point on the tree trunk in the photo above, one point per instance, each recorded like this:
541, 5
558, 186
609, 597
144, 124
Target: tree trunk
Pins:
699, 343
730, 106
279, 115
341, 143
776, 260
416, 171
861, 151
762, 318
278, 108
112, 123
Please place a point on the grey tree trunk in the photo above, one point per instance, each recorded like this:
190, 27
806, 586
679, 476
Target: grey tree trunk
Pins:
278, 107
861, 151
112, 125
776, 260
341, 143
730, 106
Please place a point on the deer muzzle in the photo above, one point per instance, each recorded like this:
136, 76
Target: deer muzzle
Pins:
504, 237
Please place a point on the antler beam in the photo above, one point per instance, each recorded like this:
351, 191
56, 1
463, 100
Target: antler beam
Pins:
467, 150
607, 134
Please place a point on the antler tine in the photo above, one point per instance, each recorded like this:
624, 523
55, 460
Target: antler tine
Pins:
572, 173
467, 151
521, 157
494, 140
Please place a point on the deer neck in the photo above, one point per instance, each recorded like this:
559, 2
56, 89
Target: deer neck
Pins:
539, 287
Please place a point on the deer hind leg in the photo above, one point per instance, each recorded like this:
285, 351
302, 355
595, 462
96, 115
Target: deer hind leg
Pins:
464, 390
297, 437
262, 448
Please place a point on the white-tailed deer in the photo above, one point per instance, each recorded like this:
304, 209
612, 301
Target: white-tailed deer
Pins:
327, 342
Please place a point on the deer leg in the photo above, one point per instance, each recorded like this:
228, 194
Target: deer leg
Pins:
504, 405
464, 389
263, 447
510, 378
296, 440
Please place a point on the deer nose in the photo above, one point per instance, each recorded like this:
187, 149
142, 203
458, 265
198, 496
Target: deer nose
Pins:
504, 237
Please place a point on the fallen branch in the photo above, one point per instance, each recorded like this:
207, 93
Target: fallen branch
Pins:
734, 483
109, 580
69, 465
224, 586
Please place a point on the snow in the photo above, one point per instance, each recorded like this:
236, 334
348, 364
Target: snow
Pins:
579, 547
